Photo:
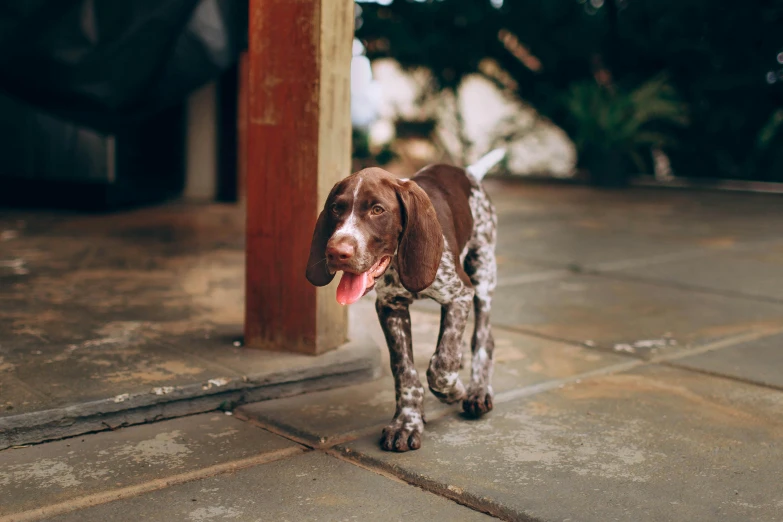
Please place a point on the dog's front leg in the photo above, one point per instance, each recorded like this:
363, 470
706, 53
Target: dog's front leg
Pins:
442, 374
404, 431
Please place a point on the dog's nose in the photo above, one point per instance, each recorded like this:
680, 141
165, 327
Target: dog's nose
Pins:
342, 251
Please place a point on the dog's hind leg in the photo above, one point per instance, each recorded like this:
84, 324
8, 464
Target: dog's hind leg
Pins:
481, 266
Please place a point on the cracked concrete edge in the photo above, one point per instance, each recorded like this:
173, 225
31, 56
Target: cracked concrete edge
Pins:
361, 362
105, 497
285, 430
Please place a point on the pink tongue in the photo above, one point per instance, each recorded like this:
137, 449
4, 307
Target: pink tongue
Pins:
352, 287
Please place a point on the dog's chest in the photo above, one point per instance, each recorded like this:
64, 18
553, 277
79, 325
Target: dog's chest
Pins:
444, 289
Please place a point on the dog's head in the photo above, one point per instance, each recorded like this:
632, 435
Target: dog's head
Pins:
369, 217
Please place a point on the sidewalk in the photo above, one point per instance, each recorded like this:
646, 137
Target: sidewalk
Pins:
639, 377
124, 318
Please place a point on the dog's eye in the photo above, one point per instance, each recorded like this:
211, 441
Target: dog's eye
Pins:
377, 209
334, 208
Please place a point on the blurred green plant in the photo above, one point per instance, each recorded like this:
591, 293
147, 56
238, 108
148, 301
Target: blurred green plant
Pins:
766, 155
768, 133
361, 144
614, 129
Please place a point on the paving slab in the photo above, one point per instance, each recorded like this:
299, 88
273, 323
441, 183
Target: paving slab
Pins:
314, 487
95, 330
759, 361
17, 396
585, 244
95, 370
655, 444
512, 270
638, 318
55, 473
699, 216
129, 317
331, 416
589, 228
755, 272
596, 238
134, 400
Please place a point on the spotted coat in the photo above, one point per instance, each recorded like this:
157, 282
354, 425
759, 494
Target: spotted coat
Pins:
477, 260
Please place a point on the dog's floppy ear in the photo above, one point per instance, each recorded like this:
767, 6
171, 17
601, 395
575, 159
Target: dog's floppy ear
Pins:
421, 243
317, 272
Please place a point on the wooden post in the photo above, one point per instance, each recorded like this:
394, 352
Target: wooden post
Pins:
299, 146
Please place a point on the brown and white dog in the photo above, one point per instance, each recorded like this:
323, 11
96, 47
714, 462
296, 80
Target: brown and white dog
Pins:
431, 236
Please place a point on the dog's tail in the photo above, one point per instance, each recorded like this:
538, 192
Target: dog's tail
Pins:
480, 168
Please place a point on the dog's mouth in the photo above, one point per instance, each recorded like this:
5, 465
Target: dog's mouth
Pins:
353, 287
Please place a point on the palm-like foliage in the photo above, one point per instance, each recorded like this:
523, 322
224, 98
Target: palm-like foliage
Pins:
626, 123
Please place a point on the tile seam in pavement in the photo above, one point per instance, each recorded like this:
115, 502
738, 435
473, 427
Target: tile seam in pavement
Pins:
453, 493
724, 376
614, 266
685, 287
30, 389
106, 497
339, 455
235, 392
542, 264
670, 360
698, 348
385, 469
174, 348
575, 267
612, 273
104, 430
485, 505
538, 335
638, 262
294, 434
535, 389
534, 277
390, 471
284, 431
717, 345
336, 447
328, 448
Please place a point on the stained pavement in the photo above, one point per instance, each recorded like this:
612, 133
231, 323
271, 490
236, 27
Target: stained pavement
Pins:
117, 319
639, 377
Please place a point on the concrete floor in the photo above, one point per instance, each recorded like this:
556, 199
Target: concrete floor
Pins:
639, 377
110, 320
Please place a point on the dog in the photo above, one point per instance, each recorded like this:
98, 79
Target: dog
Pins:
430, 236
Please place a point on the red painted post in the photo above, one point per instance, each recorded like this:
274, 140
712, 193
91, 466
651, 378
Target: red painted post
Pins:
298, 146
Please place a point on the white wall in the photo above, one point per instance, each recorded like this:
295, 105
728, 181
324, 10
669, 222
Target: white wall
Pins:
201, 145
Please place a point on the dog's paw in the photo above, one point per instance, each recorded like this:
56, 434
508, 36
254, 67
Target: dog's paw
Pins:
403, 434
478, 402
